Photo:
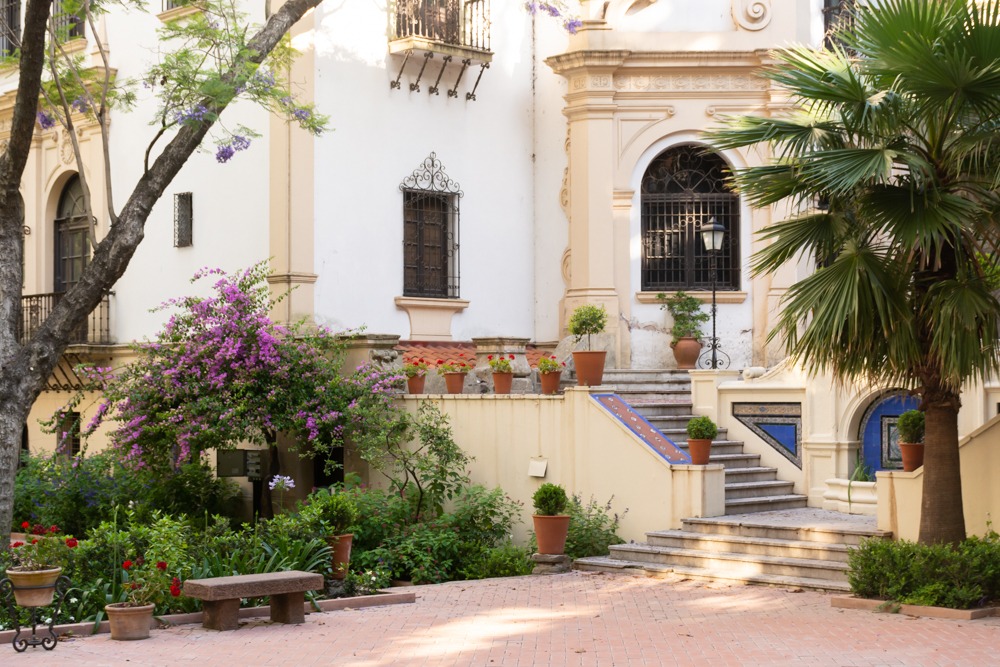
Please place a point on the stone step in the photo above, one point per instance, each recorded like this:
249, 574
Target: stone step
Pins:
763, 546
736, 460
788, 526
775, 487
635, 395
678, 434
627, 375
732, 563
743, 475
606, 564
656, 408
765, 503
719, 447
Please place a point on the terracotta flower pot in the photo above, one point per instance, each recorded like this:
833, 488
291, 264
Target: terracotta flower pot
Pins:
700, 450
341, 556
34, 588
686, 352
502, 382
589, 367
913, 455
415, 384
550, 533
454, 382
128, 623
550, 382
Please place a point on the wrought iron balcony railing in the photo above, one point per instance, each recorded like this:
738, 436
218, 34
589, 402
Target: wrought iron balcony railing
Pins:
95, 331
463, 23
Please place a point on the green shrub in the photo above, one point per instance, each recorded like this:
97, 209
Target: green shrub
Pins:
960, 577
702, 428
685, 310
550, 500
911, 426
586, 320
330, 512
506, 560
592, 528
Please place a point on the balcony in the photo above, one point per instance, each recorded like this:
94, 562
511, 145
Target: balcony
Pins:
95, 331
459, 28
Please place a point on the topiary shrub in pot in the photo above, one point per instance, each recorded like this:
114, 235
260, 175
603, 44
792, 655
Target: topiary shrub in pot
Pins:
588, 320
910, 426
685, 310
701, 431
551, 524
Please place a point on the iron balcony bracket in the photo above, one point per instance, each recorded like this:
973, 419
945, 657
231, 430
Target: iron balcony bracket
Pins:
415, 86
433, 90
465, 65
395, 84
471, 97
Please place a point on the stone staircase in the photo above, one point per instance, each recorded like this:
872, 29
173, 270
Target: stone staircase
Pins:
664, 398
768, 535
803, 548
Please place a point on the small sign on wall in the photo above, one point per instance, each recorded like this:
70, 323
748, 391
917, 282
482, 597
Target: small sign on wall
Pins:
537, 467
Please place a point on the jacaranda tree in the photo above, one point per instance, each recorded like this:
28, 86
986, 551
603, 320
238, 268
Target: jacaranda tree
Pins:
891, 162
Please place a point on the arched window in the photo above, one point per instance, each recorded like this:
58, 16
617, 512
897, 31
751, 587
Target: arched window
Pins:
684, 188
430, 232
71, 243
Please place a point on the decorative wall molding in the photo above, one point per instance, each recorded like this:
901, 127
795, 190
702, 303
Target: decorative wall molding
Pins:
689, 82
752, 14
777, 424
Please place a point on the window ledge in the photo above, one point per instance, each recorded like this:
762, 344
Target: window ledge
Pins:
703, 296
430, 319
178, 13
418, 44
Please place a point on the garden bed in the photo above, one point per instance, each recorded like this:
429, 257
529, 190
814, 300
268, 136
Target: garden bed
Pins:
889, 607
337, 604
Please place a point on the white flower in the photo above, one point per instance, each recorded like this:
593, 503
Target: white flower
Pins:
73, 600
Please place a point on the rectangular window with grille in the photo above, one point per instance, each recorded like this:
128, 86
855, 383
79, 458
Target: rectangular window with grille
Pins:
183, 219
430, 244
674, 256
68, 434
67, 25
10, 31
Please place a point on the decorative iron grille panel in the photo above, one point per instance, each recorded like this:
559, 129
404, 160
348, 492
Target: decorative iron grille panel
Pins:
66, 25
183, 219
172, 4
684, 188
430, 232
96, 330
456, 22
10, 31
837, 14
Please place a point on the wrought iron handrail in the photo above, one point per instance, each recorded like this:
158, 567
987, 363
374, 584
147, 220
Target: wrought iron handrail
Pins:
456, 22
96, 330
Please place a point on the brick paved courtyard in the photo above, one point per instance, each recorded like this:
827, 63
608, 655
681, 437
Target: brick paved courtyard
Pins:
572, 619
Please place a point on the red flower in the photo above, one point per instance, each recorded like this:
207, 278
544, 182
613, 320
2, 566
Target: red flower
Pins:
71, 542
175, 582
160, 565
440, 362
553, 356
512, 356
25, 525
421, 360
34, 541
490, 357
17, 544
175, 590
126, 565
54, 529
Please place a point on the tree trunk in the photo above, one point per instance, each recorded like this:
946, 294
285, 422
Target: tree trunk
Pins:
25, 369
942, 516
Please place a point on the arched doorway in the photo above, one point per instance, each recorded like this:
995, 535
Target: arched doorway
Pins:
877, 433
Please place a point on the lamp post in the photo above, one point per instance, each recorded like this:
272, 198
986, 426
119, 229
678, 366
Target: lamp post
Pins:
712, 235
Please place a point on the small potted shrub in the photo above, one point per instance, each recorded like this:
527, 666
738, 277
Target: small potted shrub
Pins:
502, 371
551, 525
454, 373
549, 372
416, 375
333, 514
685, 310
587, 320
38, 562
910, 426
701, 431
145, 583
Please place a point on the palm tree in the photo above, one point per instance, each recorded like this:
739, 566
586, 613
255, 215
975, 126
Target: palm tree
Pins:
892, 167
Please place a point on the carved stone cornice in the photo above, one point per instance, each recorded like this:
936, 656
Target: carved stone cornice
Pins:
576, 60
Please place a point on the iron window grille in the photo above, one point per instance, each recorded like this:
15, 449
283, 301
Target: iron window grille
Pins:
430, 232
72, 242
456, 22
837, 15
68, 434
10, 31
66, 25
183, 219
682, 189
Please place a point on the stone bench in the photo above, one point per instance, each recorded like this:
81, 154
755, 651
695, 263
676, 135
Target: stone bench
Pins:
220, 596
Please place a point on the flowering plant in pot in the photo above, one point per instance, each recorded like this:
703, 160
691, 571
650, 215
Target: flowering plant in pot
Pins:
686, 312
701, 431
37, 563
145, 584
588, 320
503, 372
416, 374
454, 373
551, 525
333, 514
549, 371
910, 426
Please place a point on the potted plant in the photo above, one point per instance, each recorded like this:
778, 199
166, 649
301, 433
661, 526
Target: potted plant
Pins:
551, 525
549, 372
416, 375
587, 320
454, 373
910, 426
333, 513
685, 310
38, 563
503, 372
145, 583
701, 431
